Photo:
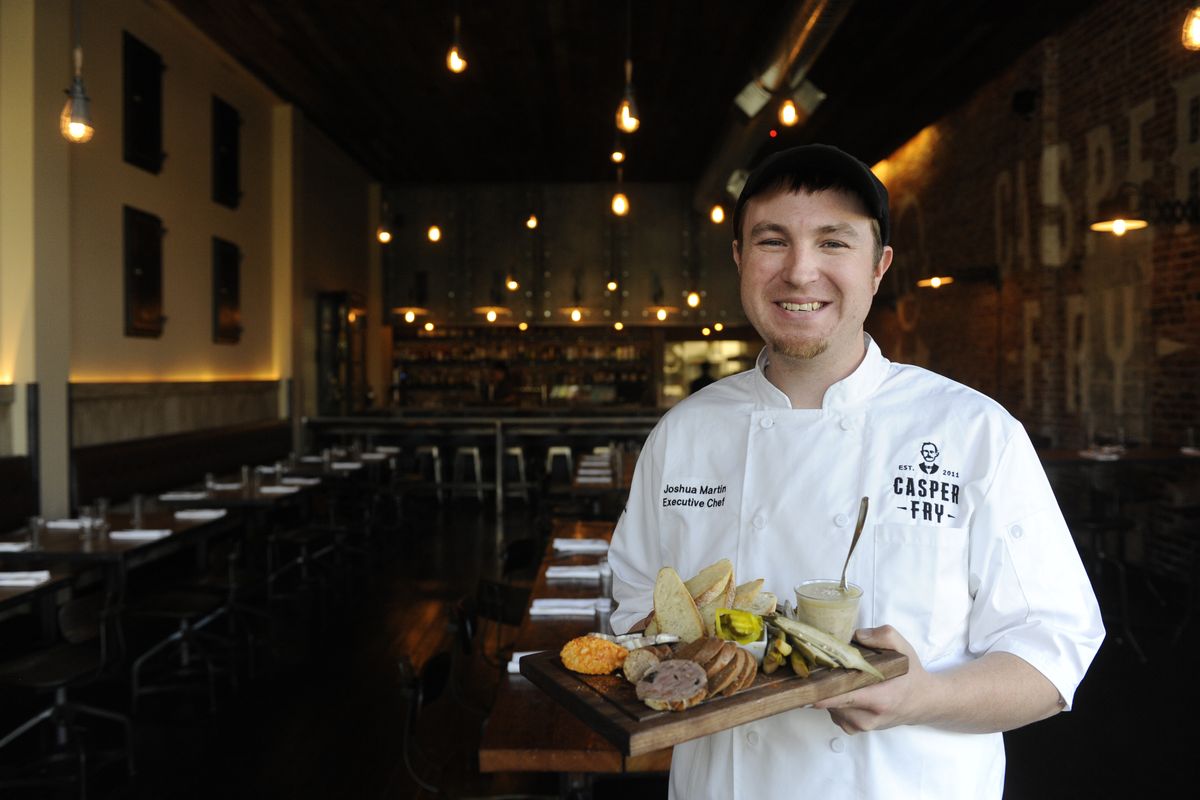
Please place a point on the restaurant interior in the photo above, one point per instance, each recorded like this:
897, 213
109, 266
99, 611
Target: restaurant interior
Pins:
326, 329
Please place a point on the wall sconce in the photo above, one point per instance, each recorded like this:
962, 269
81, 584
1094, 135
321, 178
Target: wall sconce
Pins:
1123, 212
1119, 214
987, 273
434, 233
717, 215
692, 299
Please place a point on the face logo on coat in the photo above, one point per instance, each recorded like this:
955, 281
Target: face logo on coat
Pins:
931, 496
929, 452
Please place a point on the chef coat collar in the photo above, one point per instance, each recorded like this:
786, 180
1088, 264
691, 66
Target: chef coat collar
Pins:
853, 390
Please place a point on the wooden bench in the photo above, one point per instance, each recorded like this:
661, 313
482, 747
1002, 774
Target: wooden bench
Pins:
117, 470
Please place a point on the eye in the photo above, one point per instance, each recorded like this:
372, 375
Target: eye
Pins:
834, 244
770, 243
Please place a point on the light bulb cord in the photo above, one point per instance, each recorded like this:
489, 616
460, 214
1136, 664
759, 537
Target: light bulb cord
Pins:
78, 51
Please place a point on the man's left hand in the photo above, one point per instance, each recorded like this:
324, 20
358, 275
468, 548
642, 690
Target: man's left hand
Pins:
881, 705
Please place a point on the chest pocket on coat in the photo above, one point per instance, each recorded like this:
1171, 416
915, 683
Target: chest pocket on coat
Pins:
921, 586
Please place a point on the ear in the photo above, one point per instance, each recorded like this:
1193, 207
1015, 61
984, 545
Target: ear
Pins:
737, 255
885, 261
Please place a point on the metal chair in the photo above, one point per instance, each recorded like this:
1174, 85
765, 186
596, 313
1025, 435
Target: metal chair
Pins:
82, 657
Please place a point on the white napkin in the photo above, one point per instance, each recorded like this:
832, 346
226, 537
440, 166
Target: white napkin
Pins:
387, 449
373, 456
594, 479
13, 547
182, 496
346, 465
514, 665
311, 459
573, 573
581, 545
226, 487
563, 607
296, 480
1190, 451
64, 525
147, 535
278, 489
201, 514
24, 578
1099, 455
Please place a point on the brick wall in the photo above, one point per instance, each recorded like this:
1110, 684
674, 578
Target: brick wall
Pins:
1068, 328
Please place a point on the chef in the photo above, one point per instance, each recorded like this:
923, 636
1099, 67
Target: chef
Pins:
966, 564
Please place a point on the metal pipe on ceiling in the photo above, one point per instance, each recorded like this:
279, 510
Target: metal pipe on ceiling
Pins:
805, 36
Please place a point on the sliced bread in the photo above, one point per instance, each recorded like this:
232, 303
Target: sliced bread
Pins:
711, 582
674, 609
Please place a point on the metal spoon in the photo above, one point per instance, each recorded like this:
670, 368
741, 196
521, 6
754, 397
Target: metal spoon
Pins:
858, 528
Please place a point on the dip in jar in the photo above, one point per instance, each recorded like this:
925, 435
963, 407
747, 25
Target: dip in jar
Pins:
825, 605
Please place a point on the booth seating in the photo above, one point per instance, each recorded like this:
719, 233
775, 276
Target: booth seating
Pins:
119, 470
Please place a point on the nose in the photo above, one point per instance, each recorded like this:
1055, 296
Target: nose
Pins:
799, 267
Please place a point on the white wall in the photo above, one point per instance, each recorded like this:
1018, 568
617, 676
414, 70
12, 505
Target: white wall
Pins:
101, 183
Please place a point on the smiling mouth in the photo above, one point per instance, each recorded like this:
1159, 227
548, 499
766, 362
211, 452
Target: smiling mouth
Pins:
814, 306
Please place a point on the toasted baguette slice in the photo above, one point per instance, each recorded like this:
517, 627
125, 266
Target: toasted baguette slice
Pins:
708, 613
718, 662
726, 675
744, 595
711, 582
763, 604
751, 671
674, 609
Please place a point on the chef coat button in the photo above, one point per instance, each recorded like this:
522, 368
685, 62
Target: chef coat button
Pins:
752, 738
841, 520
1017, 533
766, 422
845, 425
837, 745
759, 521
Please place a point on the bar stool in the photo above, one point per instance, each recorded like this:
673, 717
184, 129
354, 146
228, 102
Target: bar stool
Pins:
560, 464
429, 465
467, 459
515, 482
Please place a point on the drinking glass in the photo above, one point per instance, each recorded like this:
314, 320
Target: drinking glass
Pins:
138, 507
35, 532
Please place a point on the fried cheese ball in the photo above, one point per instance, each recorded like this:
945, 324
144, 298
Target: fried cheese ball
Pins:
590, 655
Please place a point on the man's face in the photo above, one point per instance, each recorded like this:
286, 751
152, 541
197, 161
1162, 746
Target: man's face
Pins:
929, 452
808, 272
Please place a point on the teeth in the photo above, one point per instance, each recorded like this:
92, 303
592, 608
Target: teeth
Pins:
800, 306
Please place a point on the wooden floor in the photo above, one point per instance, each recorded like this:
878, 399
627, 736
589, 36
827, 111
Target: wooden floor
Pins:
326, 720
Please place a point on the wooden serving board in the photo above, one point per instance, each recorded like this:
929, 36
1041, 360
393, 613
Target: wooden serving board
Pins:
608, 703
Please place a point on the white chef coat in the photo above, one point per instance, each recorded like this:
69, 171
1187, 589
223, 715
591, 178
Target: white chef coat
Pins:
967, 556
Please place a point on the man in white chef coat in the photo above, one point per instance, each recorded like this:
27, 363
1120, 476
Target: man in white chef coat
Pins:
970, 572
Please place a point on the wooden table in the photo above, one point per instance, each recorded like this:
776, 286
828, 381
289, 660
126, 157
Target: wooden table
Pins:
528, 731
41, 600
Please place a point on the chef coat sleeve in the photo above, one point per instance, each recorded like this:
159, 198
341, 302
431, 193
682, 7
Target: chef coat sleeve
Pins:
1031, 595
634, 552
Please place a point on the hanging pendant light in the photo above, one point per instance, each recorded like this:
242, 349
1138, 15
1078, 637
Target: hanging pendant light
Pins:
454, 57
628, 119
1191, 29
618, 151
657, 308
620, 203
75, 122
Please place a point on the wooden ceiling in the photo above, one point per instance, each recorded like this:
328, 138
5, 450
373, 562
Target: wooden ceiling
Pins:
545, 76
